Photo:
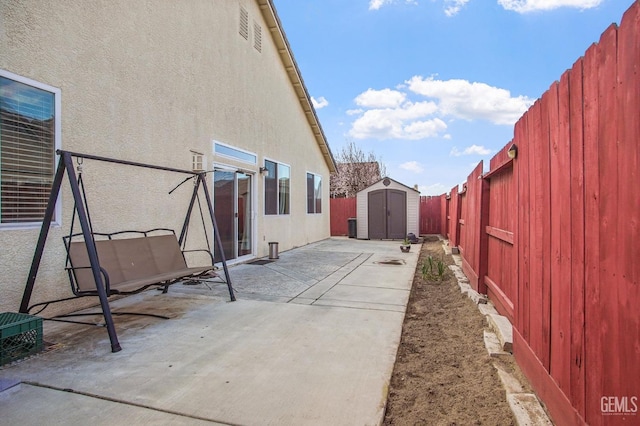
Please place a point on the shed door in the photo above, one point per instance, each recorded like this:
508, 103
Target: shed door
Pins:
397, 214
387, 214
377, 214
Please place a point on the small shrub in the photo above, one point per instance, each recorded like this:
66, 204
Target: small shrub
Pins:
433, 269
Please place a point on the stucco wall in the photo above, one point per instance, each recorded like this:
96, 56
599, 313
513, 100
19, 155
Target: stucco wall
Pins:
149, 81
362, 207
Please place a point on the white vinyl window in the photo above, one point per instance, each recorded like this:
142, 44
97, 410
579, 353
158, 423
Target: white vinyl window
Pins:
234, 153
29, 137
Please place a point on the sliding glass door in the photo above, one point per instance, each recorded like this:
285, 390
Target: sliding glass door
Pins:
233, 205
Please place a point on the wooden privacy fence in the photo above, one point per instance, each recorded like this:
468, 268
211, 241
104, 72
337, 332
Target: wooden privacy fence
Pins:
553, 236
430, 214
341, 210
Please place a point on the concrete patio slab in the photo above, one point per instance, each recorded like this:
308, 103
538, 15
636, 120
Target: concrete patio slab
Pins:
55, 407
298, 347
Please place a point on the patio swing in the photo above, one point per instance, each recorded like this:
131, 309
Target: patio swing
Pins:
122, 262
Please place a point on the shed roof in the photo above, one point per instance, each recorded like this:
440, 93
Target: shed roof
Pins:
393, 180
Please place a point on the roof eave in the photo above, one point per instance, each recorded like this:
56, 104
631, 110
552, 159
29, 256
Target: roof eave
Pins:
275, 28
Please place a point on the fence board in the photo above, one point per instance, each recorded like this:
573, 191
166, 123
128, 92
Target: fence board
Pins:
444, 214
501, 277
543, 195
628, 223
522, 237
560, 235
538, 323
341, 210
430, 220
473, 235
605, 311
454, 218
592, 222
462, 230
500, 234
577, 195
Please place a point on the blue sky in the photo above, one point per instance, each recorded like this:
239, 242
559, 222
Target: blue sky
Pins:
432, 87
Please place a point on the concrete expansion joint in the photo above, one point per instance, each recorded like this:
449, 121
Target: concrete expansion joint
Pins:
498, 340
344, 271
123, 402
319, 289
308, 281
6, 384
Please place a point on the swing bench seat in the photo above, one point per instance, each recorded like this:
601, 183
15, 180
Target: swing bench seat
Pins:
131, 265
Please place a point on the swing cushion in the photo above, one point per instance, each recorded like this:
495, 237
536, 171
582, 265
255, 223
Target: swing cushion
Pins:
132, 264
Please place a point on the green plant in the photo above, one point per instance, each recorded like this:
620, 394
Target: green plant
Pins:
427, 268
442, 269
434, 269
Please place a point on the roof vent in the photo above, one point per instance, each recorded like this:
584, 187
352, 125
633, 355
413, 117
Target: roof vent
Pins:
244, 23
257, 36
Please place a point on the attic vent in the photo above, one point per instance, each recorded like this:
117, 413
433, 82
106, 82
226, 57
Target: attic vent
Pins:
244, 23
257, 36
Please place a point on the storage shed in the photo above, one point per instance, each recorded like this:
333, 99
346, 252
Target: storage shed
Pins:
387, 210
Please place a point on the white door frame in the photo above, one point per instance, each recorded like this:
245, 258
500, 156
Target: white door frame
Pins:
253, 214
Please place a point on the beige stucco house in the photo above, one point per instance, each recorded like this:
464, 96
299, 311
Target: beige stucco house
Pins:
199, 84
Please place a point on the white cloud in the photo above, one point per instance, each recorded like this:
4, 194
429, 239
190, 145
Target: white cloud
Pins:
435, 189
470, 101
393, 114
385, 98
321, 102
410, 121
412, 166
425, 129
471, 150
525, 6
452, 7
377, 4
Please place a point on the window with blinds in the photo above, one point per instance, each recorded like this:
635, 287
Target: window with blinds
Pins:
27, 149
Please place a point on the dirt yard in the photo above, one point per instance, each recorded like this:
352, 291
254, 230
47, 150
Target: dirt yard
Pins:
443, 374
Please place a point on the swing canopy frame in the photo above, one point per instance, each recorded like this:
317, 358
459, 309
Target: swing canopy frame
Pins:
92, 264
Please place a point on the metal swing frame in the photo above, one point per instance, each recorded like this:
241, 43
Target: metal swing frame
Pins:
65, 164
